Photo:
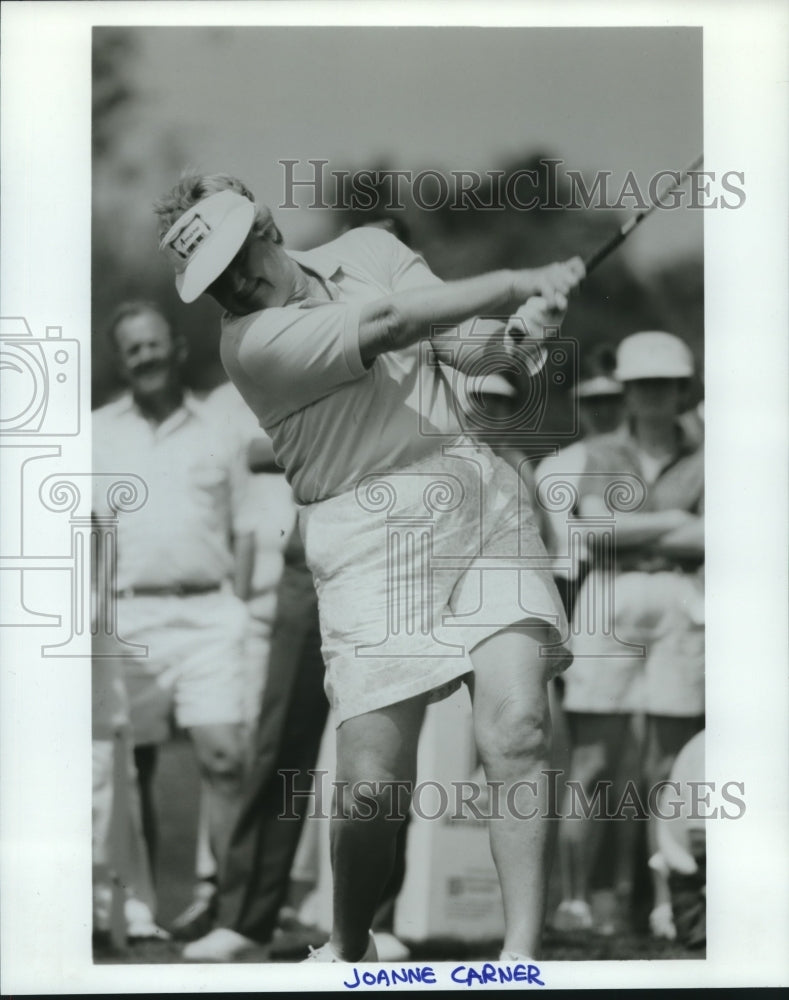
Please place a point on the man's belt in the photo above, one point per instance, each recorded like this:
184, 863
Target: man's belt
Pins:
175, 590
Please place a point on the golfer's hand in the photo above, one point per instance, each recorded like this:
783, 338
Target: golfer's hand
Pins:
533, 318
527, 328
552, 283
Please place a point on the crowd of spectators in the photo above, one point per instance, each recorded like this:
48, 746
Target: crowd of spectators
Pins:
210, 580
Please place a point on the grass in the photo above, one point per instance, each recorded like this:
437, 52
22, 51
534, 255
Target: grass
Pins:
578, 946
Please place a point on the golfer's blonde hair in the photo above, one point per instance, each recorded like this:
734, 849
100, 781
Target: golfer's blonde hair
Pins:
194, 187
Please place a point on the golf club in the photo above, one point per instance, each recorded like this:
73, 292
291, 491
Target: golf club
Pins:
626, 228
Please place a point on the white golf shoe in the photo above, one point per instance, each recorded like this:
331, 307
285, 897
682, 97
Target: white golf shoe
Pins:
219, 945
327, 954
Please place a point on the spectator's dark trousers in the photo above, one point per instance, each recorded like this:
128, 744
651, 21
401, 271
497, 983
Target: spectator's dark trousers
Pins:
254, 880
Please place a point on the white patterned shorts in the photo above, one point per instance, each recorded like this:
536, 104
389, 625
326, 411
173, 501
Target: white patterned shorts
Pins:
417, 566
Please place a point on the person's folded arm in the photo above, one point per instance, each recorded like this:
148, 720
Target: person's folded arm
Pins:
637, 528
684, 541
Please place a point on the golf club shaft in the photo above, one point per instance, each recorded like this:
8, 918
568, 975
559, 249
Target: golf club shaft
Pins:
626, 228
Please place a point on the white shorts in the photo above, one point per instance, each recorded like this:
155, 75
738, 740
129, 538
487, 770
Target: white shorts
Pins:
653, 659
416, 567
195, 661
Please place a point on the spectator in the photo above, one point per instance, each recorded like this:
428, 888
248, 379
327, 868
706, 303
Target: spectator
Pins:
681, 842
598, 395
271, 515
124, 901
176, 565
599, 402
598, 398
656, 596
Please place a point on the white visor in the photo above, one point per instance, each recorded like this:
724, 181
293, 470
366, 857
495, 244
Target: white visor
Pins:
205, 240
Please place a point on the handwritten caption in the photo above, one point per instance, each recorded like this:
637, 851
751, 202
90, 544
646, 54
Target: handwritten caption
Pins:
465, 975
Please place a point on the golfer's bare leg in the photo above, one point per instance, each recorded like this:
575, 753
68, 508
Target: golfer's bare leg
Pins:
512, 730
377, 747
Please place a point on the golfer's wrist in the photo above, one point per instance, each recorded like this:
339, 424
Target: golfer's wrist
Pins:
515, 293
524, 284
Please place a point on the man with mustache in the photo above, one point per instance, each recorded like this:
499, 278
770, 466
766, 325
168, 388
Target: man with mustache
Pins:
175, 588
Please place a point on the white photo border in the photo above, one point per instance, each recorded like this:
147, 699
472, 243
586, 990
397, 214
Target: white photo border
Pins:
46, 198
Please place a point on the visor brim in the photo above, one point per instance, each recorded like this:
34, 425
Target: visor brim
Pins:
211, 259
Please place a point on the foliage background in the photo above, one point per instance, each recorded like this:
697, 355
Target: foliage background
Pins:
163, 100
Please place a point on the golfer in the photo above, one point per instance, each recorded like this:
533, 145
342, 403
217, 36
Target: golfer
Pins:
326, 347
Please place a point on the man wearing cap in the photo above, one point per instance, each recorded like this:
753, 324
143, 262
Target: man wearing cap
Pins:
599, 405
176, 589
655, 593
325, 347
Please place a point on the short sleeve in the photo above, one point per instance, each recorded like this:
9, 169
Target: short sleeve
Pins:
297, 356
404, 268
410, 269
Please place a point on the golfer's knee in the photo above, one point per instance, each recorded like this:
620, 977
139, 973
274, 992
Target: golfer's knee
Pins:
375, 802
374, 788
514, 732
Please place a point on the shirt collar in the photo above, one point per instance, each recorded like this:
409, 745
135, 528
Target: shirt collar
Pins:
191, 403
321, 260
190, 407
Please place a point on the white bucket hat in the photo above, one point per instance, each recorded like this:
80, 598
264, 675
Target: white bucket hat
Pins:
205, 239
653, 354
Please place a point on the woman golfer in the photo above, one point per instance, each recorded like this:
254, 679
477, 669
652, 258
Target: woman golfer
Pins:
425, 555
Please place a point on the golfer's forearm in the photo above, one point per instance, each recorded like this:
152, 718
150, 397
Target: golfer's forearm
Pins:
403, 318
